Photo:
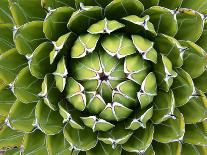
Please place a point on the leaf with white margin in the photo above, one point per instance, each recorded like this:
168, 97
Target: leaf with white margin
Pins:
7, 99
136, 68
22, 116
47, 120
83, 18
10, 138
61, 46
186, 23
136, 25
140, 119
85, 44
39, 64
164, 72
195, 59
163, 19
105, 26
170, 4
199, 5
26, 87
75, 94
100, 3
70, 115
53, 4
171, 130
140, 140
173, 148
83, 139
97, 124
50, 93
145, 48
34, 143
118, 135
122, 8
200, 82
57, 144
11, 62
183, 87
28, 37
24, 12
104, 149
149, 3
164, 105
199, 105
193, 149
115, 112
171, 48
5, 14
118, 45
148, 90
149, 151
55, 23
61, 74
14, 151
196, 134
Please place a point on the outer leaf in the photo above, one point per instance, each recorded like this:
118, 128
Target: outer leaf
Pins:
100, 3
48, 121
200, 82
5, 14
199, 5
34, 143
170, 4
26, 87
53, 4
84, 139
173, 148
171, 130
22, 116
10, 138
193, 149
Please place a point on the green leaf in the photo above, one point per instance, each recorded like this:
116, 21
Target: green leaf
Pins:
55, 23
194, 59
47, 120
10, 138
104, 149
171, 48
182, 87
84, 139
200, 82
196, 134
57, 144
100, 3
22, 116
149, 3
140, 140
26, 87
202, 40
6, 36
24, 12
115, 112
199, 5
14, 151
170, 4
35, 143
118, 45
75, 94
97, 124
164, 73
118, 135
86, 43
70, 115
199, 106
11, 62
50, 93
171, 130
148, 90
82, 19
40, 62
164, 20
136, 25
28, 37
186, 23
164, 105
5, 14
173, 148
53, 4
7, 99
105, 26
140, 119
61, 74
121, 8
193, 149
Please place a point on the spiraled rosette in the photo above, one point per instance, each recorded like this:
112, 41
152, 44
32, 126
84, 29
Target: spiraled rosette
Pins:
103, 77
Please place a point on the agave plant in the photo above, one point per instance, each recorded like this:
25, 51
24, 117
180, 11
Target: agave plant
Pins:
103, 77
